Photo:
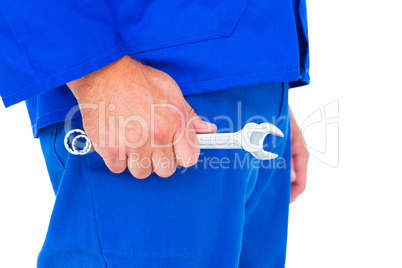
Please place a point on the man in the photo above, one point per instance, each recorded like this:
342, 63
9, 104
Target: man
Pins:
128, 65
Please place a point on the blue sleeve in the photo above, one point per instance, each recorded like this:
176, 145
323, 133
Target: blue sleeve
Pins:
45, 44
300, 11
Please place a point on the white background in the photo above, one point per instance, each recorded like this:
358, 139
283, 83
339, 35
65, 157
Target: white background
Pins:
350, 214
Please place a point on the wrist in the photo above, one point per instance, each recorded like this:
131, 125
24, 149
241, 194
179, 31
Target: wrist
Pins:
87, 84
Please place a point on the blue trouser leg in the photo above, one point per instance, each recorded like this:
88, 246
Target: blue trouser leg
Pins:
229, 210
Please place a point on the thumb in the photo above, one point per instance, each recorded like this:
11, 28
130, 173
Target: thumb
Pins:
200, 126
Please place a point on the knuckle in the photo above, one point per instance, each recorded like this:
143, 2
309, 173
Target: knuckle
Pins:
192, 113
160, 133
161, 79
177, 118
132, 135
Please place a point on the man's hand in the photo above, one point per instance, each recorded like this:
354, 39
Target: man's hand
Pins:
300, 157
137, 117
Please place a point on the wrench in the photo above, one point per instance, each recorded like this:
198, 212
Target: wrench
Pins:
250, 138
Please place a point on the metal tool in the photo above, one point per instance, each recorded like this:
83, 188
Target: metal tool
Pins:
77, 142
250, 138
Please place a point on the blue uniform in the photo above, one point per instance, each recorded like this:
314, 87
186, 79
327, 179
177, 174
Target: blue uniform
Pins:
229, 210
204, 45
247, 51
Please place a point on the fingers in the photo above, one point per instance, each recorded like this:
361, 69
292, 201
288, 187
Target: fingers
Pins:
167, 145
114, 159
116, 165
140, 164
299, 185
145, 105
155, 155
201, 127
299, 159
164, 162
181, 148
186, 147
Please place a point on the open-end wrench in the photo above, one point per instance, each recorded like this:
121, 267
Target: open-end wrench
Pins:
250, 138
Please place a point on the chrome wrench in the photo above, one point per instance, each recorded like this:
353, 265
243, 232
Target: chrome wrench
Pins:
250, 138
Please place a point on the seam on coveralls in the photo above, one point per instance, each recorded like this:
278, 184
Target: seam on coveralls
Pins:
94, 211
54, 146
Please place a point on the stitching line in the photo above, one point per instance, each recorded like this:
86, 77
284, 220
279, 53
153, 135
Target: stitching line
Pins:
94, 211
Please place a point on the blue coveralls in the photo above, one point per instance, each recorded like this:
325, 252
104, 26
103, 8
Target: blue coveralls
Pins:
229, 210
219, 53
